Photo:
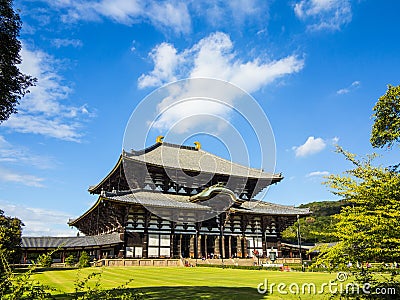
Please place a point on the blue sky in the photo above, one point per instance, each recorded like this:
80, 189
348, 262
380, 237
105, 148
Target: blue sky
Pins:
315, 67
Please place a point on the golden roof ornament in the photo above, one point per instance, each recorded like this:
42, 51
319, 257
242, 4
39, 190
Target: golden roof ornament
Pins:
159, 139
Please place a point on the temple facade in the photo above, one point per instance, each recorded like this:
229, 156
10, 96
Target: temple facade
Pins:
173, 201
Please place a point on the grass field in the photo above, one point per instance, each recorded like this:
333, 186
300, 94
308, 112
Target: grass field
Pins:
191, 283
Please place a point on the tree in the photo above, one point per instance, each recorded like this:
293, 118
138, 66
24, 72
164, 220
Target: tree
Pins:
45, 260
84, 260
312, 230
369, 228
70, 260
10, 237
316, 228
13, 84
386, 127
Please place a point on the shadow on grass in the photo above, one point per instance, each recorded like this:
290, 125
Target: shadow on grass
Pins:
191, 292
40, 270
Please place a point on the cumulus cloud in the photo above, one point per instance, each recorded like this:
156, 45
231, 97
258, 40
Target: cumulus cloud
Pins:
324, 14
311, 146
32, 217
45, 110
212, 57
317, 173
355, 85
166, 60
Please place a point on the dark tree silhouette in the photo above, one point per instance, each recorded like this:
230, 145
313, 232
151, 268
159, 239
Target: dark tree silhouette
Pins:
13, 84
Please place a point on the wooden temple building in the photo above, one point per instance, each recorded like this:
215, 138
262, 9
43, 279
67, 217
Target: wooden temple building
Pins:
173, 201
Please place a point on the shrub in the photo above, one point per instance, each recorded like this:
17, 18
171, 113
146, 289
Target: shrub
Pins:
45, 260
70, 261
84, 260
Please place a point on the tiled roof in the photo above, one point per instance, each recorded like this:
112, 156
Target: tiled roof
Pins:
189, 158
262, 207
158, 199
70, 242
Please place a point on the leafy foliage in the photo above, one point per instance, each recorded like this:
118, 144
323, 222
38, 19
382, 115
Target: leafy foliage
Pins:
45, 260
89, 288
84, 260
10, 239
10, 236
70, 260
13, 84
312, 230
368, 230
386, 127
318, 227
22, 287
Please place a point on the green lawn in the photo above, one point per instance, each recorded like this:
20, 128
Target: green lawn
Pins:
190, 283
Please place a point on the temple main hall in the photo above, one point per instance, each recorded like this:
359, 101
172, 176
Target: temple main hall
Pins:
177, 201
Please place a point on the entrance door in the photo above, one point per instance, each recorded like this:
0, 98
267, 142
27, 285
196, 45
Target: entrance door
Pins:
185, 245
210, 245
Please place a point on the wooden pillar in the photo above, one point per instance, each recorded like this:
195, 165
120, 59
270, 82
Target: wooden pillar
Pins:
145, 244
278, 245
229, 246
245, 253
171, 245
223, 247
205, 246
180, 245
239, 246
264, 244
199, 252
216, 247
191, 248
146, 224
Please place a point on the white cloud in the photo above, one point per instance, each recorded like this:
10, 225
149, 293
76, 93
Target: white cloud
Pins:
311, 146
44, 111
335, 140
324, 14
58, 43
165, 61
170, 15
211, 57
214, 57
21, 155
25, 179
355, 85
318, 173
39, 221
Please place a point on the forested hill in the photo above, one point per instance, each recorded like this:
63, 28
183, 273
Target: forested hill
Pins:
324, 208
317, 227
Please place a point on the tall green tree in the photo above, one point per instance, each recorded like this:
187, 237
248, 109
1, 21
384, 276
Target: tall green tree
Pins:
10, 237
13, 84
386, 127
10, 240
369, 228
